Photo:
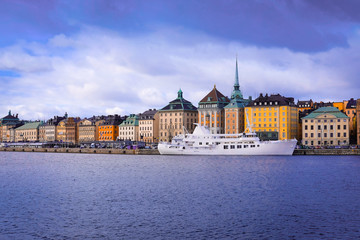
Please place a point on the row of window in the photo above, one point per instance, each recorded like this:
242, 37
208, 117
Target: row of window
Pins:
176, 114
240, 146
325, 120
324, 127
331, 142
325, 135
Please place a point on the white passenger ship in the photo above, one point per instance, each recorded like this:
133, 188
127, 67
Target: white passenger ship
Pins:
202, 142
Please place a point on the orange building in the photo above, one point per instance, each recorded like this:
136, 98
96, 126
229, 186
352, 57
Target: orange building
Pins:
109, 129
234, 111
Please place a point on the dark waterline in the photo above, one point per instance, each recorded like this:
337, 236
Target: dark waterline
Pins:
76, 196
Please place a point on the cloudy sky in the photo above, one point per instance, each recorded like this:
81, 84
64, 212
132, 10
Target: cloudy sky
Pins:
98, 57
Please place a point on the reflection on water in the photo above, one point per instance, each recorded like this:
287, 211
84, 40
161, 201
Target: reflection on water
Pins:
78, 196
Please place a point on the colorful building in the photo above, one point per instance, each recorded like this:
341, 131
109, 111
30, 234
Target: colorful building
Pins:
350, 111
211, 111
29, 132
129, 129
274, 115
109, 129
6, 123
234, 111
50, 128
178, 114
87, 130
358, 120
149, 126
305, 105
325, 126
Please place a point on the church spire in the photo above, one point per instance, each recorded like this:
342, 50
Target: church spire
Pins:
236, 93
236, 85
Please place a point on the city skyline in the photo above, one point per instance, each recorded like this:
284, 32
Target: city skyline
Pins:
123, 57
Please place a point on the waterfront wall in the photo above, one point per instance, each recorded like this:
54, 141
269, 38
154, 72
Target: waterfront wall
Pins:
83, 150
156, 152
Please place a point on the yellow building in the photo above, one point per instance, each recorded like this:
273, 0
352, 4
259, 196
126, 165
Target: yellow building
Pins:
275, 115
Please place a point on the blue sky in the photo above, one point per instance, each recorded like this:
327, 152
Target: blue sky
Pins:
104, 57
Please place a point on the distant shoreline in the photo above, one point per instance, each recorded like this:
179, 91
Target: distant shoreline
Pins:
156, 152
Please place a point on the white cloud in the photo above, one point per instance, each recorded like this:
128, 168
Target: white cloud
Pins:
100, 72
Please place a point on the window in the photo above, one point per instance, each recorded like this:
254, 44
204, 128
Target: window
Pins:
344, 127
306, 127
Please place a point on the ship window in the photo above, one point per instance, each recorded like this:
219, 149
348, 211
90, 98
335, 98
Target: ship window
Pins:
258, 145
245, 146
207, 143
226, 147
238, 146
252, 146
232, 146
200, 143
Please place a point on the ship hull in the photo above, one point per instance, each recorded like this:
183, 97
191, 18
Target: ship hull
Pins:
262, 148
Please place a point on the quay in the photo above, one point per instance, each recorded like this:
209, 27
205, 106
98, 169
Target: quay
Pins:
156, 152
83, 150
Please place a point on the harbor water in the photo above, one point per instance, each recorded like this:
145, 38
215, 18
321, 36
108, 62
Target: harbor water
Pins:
84, 196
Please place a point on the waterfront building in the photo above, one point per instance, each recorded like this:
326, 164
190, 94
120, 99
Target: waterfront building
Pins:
178, 114
326, 126
87, 130
350, 111
129, 129
149, 126
274, 117
109, 129
6, 123
234, 111
29, 132
358, 121
305, 105
211, 111
67, 130
42, 132
50, 128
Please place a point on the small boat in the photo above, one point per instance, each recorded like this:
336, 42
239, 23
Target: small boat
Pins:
202, 142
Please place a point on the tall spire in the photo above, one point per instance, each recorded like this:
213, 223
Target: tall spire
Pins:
236, 93
236, 85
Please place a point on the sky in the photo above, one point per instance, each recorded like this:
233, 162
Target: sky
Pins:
100, 57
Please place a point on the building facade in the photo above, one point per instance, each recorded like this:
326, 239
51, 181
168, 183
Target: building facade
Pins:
6, 123
211, 111
109, 129
358, 120
29, 132
149, 126
234, 111
50, 128
129, 129
87, 130
305, 105
350, 111
325, 126
273, 115
176, 116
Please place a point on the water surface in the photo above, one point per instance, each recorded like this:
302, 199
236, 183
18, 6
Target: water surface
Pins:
80, 196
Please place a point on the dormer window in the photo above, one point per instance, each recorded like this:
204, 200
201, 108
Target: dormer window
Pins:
260, 103
255, 104
265, 103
